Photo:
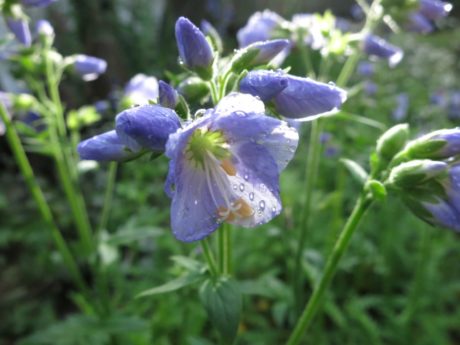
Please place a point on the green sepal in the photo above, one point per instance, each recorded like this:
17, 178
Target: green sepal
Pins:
182, 108
356, 170
193, 89
223, 302
243, 59
425, 149
377, 190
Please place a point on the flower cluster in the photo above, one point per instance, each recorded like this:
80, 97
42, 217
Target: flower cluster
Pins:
427, 12
429, 179
225, 161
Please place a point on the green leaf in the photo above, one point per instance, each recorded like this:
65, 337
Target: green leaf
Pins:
223, 302
173, 285
355, 169
361, 120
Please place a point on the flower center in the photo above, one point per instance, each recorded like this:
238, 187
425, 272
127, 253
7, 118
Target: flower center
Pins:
204, 142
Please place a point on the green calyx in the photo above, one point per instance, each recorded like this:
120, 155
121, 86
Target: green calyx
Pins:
204, 142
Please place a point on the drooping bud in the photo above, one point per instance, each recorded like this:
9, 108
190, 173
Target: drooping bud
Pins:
105, 147
20, 29
260, 27
258, 53
168, 96
434, 9
146, 126
302, 99
378, 47
44, 28
419, 23
194, 50
392, 141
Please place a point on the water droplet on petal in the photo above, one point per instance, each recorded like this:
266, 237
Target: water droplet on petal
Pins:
251, 196
240, 113
246, 177
241, 187
331, 83
235, 187
261, 205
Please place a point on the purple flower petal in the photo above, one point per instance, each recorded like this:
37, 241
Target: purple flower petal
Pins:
105, 147
168, 96
419, 23
264, 84
89, 67
141, 89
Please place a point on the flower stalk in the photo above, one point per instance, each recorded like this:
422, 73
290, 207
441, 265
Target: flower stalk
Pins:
362, 205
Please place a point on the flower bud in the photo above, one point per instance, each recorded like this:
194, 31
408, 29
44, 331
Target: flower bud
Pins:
168, 96
392, 141
105, 147
146, 126
378, 47
43, 28
297, 98
260, 27
23, 102
193, 89
20, 29
258, 53
89, 67
414, 173
434, 9
194, 50
419, 23
140, 90
441, 144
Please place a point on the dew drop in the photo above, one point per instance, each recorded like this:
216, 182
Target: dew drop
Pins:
261, 205
235, 187
331, 83
246, 177
240, 113
241, 187
251, 196
196, 202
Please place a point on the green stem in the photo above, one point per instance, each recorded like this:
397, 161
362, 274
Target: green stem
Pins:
112, 174
214, 93
341, 245
224, 245
37, 194
310, 177
347, 70
209, 257
64, 159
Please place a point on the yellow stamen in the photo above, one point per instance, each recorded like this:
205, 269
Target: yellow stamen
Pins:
241, 210
228, 166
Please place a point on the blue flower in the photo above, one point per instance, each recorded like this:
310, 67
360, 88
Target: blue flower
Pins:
168, 95
146, 127
378, 47
419, 23
260, 27
37, 3
434, 9
194, 50
20, 28
294, 97
89, 67
141, 89
225, 167
105, 147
